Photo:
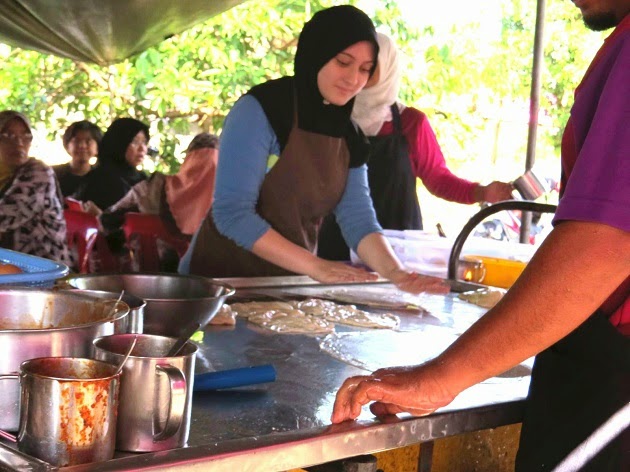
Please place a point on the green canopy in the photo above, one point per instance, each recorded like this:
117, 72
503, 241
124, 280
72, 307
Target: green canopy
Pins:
100, 31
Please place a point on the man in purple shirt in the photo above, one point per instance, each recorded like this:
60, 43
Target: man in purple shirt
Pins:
569, 306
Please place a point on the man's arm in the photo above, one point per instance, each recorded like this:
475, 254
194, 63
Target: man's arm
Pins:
571, 275
578, 266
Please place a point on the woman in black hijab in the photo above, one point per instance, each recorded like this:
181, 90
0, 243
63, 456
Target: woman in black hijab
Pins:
121, 150
289, 155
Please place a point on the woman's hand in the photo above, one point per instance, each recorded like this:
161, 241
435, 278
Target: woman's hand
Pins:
335, 272
91, 208
494, 192
416, 390
413, 282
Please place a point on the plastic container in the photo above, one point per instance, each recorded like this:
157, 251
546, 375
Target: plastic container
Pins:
428, 253
37, 271
501, 272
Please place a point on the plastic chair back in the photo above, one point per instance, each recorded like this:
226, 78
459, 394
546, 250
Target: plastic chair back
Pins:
82, 231
73, 204
142, 232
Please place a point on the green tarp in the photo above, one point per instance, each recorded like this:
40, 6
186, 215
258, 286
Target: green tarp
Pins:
100, 31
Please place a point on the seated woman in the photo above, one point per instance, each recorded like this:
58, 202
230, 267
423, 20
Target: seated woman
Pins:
181, 200
81, 141
403, 148
122, 150
31, 209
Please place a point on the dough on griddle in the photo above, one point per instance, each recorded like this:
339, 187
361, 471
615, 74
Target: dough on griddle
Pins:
486, 297
225, 316
248, 309
377, 297
311, 316
292, 322
347, 314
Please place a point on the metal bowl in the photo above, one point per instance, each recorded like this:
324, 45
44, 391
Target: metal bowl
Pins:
42, 323
174, 301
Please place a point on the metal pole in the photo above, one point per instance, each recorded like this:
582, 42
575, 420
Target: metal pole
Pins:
534, 105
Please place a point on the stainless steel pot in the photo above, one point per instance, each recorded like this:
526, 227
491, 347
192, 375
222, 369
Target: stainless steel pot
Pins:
136, 307
174, 301
41, 323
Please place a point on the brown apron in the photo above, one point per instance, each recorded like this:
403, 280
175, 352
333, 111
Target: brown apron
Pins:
305, 185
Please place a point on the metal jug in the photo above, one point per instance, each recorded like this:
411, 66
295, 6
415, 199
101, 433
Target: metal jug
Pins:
531, 186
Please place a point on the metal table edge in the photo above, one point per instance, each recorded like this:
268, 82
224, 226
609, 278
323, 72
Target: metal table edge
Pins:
284, 451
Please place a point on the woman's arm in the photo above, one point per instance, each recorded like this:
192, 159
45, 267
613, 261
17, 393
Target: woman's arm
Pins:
246, 143
360, 229
275, 248
130, 201
428, 162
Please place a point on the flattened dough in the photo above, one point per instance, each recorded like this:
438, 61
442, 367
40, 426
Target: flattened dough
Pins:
247, 309
377, 298
225, 316
311, 316
292, 322
486, 297
347, 314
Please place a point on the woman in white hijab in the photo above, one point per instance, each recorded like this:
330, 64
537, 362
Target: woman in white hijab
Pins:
403, 148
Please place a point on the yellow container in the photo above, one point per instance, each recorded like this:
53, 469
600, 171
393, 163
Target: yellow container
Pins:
500, 272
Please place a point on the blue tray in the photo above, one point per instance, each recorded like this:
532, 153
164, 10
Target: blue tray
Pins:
38, 272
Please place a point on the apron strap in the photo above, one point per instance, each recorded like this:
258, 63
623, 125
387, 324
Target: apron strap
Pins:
396, 121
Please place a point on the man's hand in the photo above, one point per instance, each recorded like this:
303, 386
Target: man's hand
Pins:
417, 390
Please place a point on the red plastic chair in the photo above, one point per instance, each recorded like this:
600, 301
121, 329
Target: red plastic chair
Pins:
82, 231
73, 204
142, 232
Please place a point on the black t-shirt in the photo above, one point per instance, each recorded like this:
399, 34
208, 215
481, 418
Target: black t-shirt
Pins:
68, 181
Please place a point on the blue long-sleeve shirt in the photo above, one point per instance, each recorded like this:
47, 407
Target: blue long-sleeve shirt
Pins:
247, 151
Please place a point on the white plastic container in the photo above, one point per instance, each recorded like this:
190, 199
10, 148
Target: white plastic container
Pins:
428, 253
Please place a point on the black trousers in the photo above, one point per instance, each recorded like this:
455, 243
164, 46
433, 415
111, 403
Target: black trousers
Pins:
577, 384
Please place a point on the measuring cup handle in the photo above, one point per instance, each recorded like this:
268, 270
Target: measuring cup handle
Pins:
178, 390
4, 434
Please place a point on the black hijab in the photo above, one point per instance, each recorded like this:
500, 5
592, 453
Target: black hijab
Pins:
113, 176
329, 32
113, 146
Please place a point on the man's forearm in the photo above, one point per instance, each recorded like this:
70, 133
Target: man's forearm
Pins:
571, 275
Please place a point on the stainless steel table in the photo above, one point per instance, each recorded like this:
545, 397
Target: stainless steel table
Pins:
286, 424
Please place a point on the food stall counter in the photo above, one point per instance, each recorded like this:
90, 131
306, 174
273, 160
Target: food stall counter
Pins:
285, 424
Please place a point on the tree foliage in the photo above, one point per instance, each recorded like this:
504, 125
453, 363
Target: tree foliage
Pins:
189, 82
